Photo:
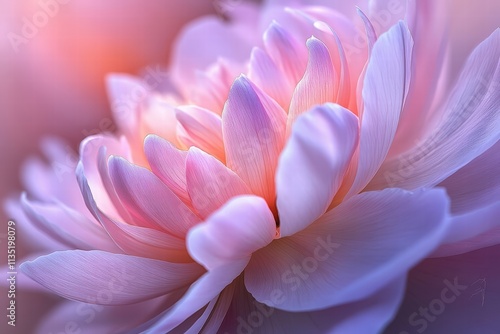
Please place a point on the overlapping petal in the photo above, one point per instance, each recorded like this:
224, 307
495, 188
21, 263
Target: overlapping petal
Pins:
312, 165
351, 251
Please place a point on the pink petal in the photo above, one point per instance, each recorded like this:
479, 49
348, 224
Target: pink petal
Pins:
67, 225
150, 200
212, 86
217, 39
318, 84
477, 184
85, 275
168, 163
253, 126
90, 154
201, 128
286, 52
134, 240
249, 222
205, 289
313, 164
385, 88
32, 235
428, 21
210, 183
261, 69
470, 231
225, 258
350, 252
370, 31
469, 127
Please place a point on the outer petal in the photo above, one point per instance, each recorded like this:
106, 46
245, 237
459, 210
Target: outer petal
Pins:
352, 251
210, 183
225, 258
67, 225
470, 231
253, 126
470, 126
477, 184
312, 165
384, 92
84, 275
428, 21
367, 316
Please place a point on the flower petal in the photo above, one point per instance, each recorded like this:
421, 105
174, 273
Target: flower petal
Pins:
93, 151
384, 92
149, 200
313, 164
217, 39
350, 252
471, 231
86, 275
477, 184
134, 240
210, 183
428, 22
201, 128
253, 127
286, 52
225, 258
168, 163
318, 84
205, 289
246, 219
67, 225
469, 127
261, 68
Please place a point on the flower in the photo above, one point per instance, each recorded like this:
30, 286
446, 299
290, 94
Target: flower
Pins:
294, 197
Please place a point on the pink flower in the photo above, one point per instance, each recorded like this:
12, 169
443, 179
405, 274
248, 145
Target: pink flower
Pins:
286, 183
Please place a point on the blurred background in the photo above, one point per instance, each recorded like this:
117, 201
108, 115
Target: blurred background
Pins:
54, 55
